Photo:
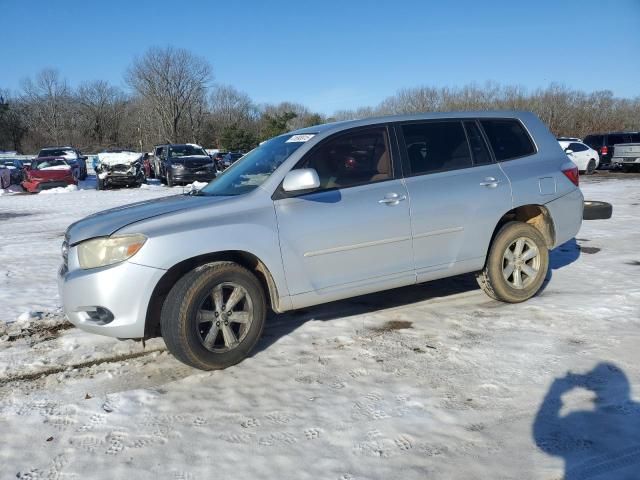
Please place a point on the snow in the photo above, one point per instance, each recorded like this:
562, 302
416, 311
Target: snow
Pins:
67, 189
56, 167
113, 158
430, 381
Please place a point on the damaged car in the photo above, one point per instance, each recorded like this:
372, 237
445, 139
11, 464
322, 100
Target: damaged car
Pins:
184, 163
119, 167
48, 172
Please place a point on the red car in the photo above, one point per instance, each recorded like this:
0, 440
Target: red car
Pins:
48, 172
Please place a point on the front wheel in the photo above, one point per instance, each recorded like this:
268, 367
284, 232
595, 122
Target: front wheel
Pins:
516, 265
214, 316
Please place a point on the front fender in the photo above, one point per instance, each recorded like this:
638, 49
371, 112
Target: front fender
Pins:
196, 233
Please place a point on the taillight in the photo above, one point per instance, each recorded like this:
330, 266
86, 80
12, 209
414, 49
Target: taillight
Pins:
571, 172
604, 150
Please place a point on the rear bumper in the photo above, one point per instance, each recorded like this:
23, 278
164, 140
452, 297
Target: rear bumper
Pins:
566, 213
627, 160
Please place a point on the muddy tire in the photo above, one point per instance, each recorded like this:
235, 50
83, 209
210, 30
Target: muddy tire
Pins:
516, 265
214, 316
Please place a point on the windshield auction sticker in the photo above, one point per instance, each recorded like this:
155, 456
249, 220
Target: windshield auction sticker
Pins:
301, 138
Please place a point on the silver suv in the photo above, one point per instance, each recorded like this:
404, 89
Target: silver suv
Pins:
322, 214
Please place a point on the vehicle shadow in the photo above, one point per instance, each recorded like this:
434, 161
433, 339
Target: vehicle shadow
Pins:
602, 442
560, 257
280, 325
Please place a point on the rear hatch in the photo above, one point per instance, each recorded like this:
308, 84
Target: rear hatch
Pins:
628, 152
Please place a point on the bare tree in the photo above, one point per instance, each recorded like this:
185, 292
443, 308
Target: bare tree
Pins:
48, 103
230, 106
173, 80
101, 107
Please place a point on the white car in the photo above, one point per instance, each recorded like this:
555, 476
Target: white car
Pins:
585, 157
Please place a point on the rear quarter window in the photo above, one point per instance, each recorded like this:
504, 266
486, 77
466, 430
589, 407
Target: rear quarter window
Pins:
508, 138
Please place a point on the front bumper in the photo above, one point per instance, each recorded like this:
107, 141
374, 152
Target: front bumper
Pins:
119, 179
124, 290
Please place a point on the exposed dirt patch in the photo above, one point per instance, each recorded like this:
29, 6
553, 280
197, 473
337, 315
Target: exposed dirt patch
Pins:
10, 215
589, 249
42, 332
392, 325
61, 368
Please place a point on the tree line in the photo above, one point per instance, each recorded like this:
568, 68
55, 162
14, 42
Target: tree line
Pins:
171, 98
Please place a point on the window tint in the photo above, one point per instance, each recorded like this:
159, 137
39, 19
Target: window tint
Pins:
435, 147
479, 149
577, 147
635, 137
613, 139
594, 141
353, 159
508, 138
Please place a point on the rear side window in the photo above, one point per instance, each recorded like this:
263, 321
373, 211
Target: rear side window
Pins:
479, 149
594, 141
617, 138
508, 138
436, 147
577, 147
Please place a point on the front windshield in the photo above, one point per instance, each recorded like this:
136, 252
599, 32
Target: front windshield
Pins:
45, 164
186, 151
58, 152
255, 167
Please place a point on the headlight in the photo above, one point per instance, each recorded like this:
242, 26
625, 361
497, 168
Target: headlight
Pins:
177, 166
101, 252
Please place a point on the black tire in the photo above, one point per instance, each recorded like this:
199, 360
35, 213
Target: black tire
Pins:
170, 180
591, 167
597, 210
630, 168
100, 184
491, 278
181, 330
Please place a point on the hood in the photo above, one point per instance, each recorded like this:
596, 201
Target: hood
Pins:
106, 223
51, 173
120, 158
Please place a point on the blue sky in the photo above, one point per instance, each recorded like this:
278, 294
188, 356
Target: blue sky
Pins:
331, 54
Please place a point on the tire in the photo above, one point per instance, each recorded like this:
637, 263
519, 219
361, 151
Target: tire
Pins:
597, 210
630, 168
492, 278
193, 340
100, 184
591, 167
170, 180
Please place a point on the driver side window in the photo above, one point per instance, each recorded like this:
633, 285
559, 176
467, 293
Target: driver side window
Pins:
352, 159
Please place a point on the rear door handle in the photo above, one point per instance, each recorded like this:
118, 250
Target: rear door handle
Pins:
490, 182
392, 199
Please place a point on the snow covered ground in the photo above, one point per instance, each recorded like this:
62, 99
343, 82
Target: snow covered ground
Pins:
430, 381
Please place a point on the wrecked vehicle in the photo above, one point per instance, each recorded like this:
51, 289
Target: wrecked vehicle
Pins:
48, 172
119, 167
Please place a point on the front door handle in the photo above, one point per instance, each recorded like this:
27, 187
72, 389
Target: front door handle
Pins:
490, 182
392, 199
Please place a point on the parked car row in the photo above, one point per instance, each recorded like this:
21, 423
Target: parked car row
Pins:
611, 150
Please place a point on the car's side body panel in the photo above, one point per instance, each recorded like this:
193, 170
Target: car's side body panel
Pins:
343, 242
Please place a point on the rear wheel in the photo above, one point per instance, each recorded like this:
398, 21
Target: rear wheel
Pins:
214, 316
516, 265
591, 167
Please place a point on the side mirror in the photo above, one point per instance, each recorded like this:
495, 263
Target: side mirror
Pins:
568, 151
302, 179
